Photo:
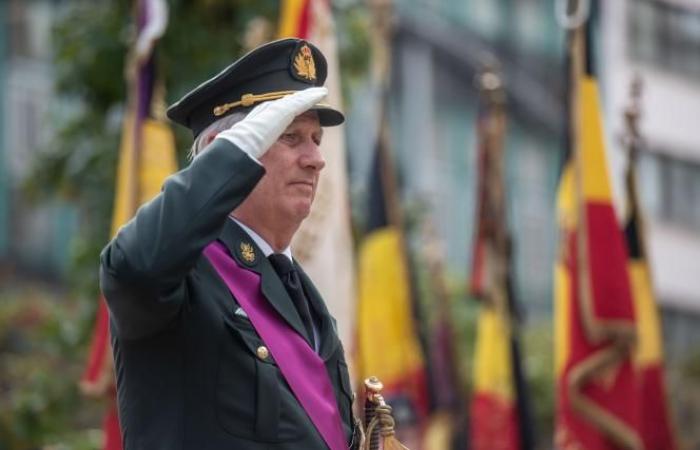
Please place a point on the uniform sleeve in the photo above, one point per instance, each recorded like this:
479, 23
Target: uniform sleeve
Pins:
142, 269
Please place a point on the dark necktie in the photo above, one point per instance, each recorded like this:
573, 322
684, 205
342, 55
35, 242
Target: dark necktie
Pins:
290, 278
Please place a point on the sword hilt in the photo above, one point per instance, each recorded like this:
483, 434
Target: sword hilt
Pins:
373, 398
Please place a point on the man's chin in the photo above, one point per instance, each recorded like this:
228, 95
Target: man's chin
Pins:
302, 210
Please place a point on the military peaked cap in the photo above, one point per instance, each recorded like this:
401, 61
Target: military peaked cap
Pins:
269, 72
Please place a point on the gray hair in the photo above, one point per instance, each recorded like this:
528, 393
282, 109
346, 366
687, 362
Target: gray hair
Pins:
215, 128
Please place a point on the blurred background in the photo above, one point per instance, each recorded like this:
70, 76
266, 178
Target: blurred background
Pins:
409, 73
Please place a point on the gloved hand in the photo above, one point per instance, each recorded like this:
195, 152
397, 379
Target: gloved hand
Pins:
265, 123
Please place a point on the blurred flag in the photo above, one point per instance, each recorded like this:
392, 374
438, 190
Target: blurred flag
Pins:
656, 424
323, 243
500, 414
446, 427
98, 377
439, 433
387, 341
597, 405
146, 158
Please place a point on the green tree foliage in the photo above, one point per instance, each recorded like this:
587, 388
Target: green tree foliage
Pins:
39, 369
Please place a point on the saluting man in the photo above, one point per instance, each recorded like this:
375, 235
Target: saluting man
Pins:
220, 339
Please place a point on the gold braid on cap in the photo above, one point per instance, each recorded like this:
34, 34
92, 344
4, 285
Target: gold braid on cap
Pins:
249, 100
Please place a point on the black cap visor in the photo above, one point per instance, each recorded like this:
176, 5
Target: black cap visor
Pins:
328, 116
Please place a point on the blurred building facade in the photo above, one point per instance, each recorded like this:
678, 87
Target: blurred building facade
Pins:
660, 42
34, 238
439, 48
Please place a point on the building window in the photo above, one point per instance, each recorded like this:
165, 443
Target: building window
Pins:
18, 34
664, 35
671, 189
28, 25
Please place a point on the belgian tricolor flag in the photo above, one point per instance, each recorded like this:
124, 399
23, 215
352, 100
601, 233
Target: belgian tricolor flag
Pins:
146, 158
656, 423
388, 345
499, 413
595, 329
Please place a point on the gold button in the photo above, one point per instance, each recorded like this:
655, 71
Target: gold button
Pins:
263, 352
247, 99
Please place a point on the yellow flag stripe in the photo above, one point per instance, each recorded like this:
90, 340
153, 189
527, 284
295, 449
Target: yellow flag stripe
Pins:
649, 345
596, 185
493, 373
289, 17
562, 312
566, 199
387, 344
157, 161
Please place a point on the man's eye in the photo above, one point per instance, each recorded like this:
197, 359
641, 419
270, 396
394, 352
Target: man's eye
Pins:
288, 137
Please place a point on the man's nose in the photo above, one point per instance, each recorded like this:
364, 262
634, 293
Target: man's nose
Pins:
312, 157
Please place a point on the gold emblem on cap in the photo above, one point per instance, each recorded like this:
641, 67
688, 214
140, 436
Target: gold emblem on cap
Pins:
304, 63
247, 252
262, 352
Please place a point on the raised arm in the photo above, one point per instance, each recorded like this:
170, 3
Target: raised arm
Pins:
143, 268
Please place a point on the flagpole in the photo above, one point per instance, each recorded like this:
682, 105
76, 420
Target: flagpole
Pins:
578, 51
492, 87
381, 65
380, 69
450, 396
632, 141
134, 78
492, 284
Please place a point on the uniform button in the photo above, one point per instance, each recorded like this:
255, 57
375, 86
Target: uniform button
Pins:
263, 352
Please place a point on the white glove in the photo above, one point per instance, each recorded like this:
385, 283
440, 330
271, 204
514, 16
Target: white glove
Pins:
265, 123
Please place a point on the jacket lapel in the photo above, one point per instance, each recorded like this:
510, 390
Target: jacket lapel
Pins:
327, 334
249, 256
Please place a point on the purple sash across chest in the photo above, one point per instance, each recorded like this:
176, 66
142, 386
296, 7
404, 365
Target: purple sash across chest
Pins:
303, 369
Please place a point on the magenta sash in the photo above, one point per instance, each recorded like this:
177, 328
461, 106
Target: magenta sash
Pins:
303, 369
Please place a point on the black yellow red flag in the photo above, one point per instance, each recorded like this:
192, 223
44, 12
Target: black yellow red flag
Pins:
499, 413
656, 423
595, 328
387, 341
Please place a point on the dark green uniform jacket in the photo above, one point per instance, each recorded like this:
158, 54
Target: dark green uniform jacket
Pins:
188, 373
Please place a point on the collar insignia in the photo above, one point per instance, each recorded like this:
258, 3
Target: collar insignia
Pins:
304, 65
247, 252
